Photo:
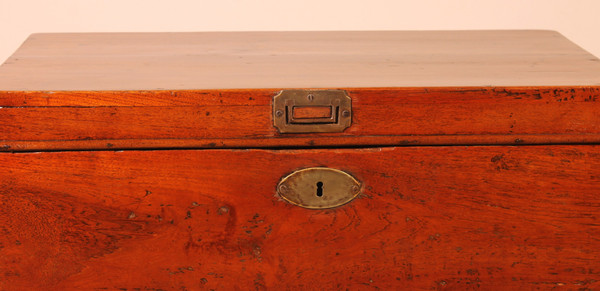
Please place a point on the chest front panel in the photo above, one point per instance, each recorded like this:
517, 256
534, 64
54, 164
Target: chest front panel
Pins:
426, 217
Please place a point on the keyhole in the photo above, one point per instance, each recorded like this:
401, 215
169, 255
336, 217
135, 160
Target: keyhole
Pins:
319, 189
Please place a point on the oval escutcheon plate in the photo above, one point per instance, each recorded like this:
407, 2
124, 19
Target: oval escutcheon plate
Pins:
318, 188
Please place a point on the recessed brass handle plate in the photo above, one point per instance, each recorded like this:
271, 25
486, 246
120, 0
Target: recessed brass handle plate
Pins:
318, 188
303, 111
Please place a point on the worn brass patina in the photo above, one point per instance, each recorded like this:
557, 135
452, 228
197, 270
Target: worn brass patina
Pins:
318, 188
288, 103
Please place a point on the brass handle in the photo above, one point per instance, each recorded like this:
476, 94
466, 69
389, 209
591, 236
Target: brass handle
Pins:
304, 111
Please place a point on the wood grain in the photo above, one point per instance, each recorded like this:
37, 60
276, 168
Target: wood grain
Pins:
243, 118
241, 60
489, 217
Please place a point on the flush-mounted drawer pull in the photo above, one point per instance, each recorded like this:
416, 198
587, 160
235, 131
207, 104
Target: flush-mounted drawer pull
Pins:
302, 111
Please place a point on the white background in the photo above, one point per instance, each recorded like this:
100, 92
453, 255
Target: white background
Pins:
579, 20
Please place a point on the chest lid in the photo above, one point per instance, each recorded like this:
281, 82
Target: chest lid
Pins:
297, 89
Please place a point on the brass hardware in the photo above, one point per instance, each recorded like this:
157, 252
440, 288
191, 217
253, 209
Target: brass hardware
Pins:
303, 111
318, 188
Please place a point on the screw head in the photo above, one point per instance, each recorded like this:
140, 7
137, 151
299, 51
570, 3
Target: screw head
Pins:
278, 113
310, 97
345, 113
223, 210
355, 189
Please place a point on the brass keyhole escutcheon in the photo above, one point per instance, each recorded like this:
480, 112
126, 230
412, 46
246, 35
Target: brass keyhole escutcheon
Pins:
318, 188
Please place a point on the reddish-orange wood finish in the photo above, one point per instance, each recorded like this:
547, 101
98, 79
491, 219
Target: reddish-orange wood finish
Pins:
495, 217
312, 112
243, 118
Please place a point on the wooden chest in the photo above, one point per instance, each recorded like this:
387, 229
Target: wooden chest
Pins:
300, 161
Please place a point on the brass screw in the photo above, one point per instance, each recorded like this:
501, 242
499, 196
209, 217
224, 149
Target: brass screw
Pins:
345, 113
278, 113
310, 97
223, 210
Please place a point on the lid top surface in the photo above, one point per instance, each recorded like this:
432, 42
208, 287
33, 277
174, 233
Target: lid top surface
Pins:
246, 60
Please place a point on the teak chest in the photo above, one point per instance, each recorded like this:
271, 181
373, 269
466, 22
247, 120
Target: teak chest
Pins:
300, 160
